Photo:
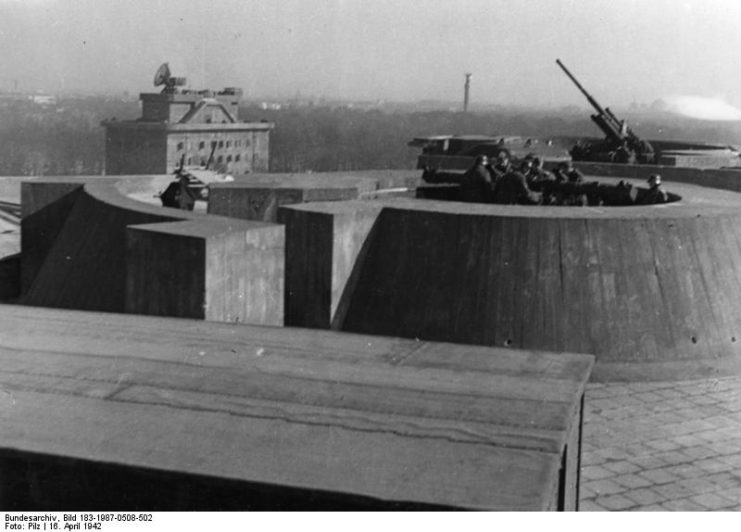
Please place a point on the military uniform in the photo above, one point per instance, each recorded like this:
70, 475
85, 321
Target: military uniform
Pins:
512, 189
655, 195
476, 185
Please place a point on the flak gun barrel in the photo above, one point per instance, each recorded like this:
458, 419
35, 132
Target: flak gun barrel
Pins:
597, 106
604, 118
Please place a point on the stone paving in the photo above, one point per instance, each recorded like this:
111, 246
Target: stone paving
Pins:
662, 446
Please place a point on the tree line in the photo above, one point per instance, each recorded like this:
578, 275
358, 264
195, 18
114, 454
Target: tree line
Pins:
67, 138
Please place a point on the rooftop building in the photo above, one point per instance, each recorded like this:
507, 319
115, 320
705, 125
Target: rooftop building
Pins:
187, 127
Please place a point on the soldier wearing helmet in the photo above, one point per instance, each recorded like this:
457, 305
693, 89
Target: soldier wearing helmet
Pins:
655, 193
501, 167
476, 183
513, 189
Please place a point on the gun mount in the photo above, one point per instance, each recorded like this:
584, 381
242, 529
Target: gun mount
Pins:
191, 184
621, 144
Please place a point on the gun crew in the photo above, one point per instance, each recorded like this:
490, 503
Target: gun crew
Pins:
529, 184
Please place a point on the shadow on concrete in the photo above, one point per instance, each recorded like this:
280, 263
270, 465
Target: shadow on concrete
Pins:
10, 278
39, 482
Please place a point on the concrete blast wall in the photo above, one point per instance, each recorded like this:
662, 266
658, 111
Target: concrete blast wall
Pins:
634, 284
649, 290
88, 247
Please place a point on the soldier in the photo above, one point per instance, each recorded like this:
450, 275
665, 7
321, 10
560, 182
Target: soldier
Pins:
178, 194
566, 172
655, 193
502, 166
512, 189
476, 183
569, 179
537, 173
541, 180
527, 169
623, 154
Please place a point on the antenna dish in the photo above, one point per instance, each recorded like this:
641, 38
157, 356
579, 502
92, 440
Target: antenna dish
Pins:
162, 75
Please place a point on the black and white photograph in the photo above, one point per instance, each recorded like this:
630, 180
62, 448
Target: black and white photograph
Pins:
330, 256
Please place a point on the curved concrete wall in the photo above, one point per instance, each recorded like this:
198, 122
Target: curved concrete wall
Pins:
656, 283
85, 264
87, 246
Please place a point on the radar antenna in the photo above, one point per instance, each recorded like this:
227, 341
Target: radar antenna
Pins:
163, 77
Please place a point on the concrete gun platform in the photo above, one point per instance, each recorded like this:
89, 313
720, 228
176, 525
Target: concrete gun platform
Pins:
637, 286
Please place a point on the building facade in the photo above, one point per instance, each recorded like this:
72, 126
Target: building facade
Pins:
189, 127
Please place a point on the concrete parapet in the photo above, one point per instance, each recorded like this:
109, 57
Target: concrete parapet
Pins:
693, 159
75, 255
10, 187
259, 196
724, 178
326, 243
85, 263
218, 269
123, 412
45, 206
629, 284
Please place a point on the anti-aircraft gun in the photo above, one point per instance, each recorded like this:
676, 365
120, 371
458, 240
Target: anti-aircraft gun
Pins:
191, 184
620, 145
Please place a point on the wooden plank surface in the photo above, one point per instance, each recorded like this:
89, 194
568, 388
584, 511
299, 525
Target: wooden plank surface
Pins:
386, 418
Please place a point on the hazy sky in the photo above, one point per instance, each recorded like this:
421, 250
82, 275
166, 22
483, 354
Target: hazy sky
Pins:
621, 50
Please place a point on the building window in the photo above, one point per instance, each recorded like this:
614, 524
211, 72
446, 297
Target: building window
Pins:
201, 145
246, 142
203, 162
228, 144
221, 144
219, 159
189, 161
180, 146
237, 157
228, 158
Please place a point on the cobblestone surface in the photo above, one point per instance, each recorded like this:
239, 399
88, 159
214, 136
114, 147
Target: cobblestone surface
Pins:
662, 446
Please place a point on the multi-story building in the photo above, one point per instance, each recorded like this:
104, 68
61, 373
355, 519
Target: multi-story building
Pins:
190, 127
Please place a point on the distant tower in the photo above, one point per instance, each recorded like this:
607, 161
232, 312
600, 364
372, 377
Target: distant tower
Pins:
466, 88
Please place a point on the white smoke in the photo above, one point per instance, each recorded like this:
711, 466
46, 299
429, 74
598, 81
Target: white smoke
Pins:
701, 108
